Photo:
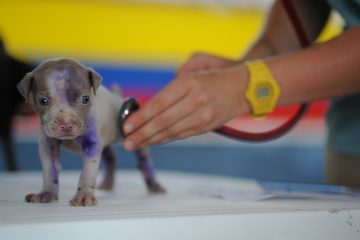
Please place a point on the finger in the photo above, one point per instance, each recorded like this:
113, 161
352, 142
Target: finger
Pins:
170, 95
183, 135
193, 124
163, 121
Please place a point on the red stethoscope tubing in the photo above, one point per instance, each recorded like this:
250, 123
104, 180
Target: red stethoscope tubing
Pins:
291, 122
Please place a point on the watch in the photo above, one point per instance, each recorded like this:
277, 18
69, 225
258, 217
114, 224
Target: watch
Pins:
262, 91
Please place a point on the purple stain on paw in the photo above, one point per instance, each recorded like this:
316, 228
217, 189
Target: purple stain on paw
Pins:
90, 140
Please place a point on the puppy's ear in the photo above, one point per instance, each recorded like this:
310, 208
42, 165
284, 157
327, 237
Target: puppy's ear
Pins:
94, 78
25, 86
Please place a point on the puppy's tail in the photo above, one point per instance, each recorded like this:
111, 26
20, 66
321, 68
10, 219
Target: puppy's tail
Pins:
116, 89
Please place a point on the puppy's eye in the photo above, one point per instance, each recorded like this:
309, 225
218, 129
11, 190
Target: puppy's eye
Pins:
44, 101
85, 99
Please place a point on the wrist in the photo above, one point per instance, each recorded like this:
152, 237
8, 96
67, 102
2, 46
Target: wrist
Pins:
239, 75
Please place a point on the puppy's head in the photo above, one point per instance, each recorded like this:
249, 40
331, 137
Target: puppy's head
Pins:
61, 92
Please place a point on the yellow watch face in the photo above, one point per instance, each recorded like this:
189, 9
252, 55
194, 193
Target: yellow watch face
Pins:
263, 91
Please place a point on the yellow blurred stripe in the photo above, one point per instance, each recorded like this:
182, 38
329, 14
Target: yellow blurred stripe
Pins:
124, 32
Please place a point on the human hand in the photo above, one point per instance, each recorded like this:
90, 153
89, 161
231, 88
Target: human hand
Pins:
204, 61
192, 104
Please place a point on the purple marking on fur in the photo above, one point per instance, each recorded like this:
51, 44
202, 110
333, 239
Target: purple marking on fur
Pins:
57, 75
62, 94
60, 75
53, 154
90, 140
145, 163
54, 172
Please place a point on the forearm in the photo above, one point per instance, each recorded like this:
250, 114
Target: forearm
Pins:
324, 71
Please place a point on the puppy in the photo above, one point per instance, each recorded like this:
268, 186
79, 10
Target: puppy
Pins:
76, 112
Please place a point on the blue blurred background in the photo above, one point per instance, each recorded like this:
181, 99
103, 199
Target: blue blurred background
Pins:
139, 44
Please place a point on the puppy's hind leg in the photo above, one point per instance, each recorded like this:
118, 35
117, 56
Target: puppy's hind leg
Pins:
147, 169
109, 160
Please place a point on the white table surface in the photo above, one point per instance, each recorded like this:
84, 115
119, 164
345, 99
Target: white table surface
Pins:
183, 213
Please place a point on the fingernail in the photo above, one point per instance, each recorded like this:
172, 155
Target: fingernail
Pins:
128, 128
129, 145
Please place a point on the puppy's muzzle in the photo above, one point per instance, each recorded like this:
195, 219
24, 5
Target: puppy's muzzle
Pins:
68, 128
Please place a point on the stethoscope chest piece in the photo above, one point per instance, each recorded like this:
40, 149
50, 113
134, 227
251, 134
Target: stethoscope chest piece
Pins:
129, 106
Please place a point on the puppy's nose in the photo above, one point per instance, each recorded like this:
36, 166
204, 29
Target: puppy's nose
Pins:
66, 127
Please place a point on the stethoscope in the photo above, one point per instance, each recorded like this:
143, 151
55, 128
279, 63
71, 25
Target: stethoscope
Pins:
131, 105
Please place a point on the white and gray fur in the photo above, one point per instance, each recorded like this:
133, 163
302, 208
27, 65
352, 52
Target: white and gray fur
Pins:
81, 115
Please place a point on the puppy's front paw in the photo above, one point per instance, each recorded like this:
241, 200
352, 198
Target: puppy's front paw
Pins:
83, 199
43, 197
